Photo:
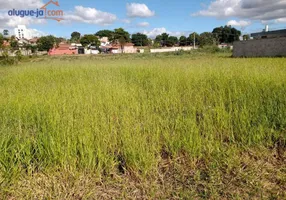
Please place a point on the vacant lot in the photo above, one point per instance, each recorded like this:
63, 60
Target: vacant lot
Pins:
143, 126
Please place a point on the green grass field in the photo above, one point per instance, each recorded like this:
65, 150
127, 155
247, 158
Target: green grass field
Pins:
143, 126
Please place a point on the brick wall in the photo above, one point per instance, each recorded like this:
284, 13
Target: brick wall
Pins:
260, 48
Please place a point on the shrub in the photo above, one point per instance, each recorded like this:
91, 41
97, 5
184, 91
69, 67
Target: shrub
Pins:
179, 52
6, 59
19, 55
211, 49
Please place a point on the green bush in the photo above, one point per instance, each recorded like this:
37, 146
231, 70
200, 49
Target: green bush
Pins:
5, 59
211, 49
19, 55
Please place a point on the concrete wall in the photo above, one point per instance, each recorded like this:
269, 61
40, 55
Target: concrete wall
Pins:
130, 49
127, 49
171, 49
260, 48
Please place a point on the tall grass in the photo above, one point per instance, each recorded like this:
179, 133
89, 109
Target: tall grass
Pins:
111, 115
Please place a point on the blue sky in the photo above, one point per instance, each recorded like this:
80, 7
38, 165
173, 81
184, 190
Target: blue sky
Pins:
151, 17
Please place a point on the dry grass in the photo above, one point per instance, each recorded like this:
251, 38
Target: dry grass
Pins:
250, 175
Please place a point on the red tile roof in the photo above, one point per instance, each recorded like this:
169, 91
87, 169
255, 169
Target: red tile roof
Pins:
129, 44
34, 40
63, 46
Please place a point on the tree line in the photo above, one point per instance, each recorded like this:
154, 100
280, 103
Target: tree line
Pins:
226, 34
223, 34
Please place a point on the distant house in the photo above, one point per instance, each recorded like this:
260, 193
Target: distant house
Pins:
269, 34
104, 41
222, 46
116, 48
75, 45
113, 49
22, 41
225, 46
33, 41
63, 49
129, 48
91, 49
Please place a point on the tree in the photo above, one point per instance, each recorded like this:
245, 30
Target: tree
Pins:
14, 43
1, 40
156, 45
121, 37
75, 36
191, 38
171, 41
33, 48
235, 34
183, 41
59, 40
150, 42
122, 41
46, 43
5, 32
105, 33
165, 37
162, 39
158, 40
139, 39
226, 34
89, 40
246, 37
120, 33
207, 38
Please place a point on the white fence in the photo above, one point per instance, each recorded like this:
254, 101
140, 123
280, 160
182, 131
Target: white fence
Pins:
171, 49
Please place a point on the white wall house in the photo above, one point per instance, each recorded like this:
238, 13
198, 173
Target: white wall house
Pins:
22, 32
104, 41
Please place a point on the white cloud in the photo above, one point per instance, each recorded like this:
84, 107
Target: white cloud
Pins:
90, 16
139, 10
10, 22
280, 20
179, 33
240, 23
143, 24
220, 8
20, 4
37, 33
7, 21
246, 9
158, 31
126, 21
